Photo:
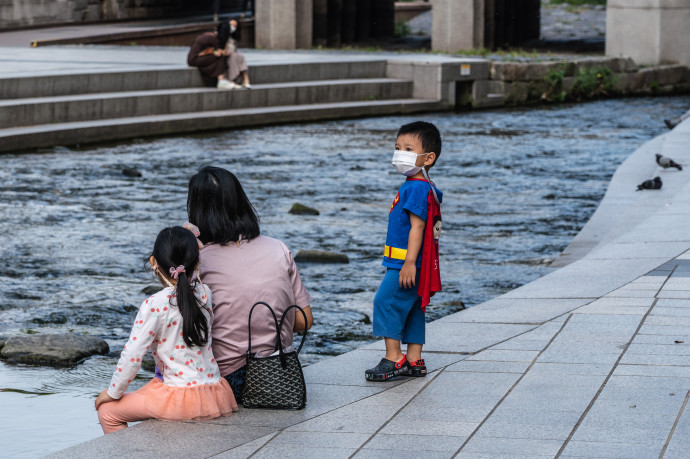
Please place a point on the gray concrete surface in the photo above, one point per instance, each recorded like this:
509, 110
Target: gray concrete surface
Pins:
591, 360
95, 94
652, 32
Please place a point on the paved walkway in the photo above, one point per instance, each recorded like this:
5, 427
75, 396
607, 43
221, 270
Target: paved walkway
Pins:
592, 360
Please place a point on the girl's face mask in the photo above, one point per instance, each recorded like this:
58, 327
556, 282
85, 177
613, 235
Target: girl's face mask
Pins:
405, 162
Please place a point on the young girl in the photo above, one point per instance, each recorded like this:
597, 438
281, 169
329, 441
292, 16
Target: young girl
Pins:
175, 324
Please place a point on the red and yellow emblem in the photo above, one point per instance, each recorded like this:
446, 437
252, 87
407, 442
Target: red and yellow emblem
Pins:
395, 202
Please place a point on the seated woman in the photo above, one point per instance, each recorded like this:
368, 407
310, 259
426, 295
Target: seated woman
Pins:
215, 55
241, 267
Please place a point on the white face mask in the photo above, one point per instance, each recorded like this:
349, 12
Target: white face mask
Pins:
232, 29
405, 162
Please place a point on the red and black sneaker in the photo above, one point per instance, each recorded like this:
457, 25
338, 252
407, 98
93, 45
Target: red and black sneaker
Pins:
417, 369
387, 369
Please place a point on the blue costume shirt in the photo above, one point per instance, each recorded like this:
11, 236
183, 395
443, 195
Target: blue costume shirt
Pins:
413, 197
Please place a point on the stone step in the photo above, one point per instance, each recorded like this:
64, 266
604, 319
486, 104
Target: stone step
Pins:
19, 86
65, 109
84, 132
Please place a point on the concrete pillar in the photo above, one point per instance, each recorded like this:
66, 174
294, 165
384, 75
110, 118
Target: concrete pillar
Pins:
651, 32
457, 24
283, 24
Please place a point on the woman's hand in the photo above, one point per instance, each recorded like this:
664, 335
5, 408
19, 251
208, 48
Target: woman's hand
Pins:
102, 398
408, 274
219, 53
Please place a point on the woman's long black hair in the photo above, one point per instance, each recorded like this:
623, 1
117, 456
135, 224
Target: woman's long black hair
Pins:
218, 206
223, 30
177, 246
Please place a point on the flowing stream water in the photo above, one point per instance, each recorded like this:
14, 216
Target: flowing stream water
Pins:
518, 185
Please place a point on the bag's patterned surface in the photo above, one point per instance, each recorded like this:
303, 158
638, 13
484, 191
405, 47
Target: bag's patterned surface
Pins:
276, 381
268, 385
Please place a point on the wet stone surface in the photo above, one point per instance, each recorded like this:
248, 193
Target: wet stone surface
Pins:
52, 349
320, 256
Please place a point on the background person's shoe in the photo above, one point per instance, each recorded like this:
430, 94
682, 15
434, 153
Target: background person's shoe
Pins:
387, 369
226, 85
247, 86
417, 369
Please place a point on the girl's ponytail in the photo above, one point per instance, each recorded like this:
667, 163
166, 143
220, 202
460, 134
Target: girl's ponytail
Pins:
194, 322
177, 252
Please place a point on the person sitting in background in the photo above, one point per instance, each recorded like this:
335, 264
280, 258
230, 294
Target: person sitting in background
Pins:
215, 55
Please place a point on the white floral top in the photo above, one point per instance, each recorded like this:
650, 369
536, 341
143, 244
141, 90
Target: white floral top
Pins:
158, 326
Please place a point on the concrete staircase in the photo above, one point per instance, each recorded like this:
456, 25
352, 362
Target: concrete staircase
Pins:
68, 109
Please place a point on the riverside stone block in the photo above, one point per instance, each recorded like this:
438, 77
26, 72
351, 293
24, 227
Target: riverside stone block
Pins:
488, 93
516, 71
663, 75
516, 93
53, 349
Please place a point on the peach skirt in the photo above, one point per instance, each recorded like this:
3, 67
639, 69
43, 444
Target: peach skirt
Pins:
194, 403
156, 400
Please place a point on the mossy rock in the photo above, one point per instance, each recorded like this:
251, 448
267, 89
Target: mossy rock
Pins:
53, 350
319, 256
301, 209
3, 339
459, 304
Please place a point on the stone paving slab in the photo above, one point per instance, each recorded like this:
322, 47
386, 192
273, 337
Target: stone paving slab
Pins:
22, 61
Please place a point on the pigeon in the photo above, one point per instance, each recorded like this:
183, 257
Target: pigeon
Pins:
673, 122
654, 184
666, 162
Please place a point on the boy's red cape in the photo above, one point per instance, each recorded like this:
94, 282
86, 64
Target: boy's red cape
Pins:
430, 273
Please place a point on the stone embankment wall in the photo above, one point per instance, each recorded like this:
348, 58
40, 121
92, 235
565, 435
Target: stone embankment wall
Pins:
518, 83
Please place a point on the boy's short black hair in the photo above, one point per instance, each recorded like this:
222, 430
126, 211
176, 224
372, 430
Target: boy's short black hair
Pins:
427, 133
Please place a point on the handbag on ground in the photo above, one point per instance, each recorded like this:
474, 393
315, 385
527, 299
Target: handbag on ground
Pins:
275, 381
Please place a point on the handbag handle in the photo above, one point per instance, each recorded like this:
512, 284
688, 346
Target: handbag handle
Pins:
304, 332
279, 344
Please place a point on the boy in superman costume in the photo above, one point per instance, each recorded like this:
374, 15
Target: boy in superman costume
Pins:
410, 255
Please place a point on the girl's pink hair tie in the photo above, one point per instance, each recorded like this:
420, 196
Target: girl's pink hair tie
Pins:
175, 272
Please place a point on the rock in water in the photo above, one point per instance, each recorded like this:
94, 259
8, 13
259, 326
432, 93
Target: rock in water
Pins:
131, 172
151, 289
53, 318
148, 363
3, 339
300, 209
54, 350
318, 256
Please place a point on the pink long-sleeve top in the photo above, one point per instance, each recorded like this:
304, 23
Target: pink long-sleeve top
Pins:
262, 269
